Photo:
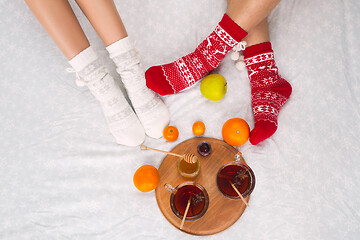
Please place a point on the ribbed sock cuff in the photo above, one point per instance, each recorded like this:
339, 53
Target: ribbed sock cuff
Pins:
232, 28
119, 47
83, 59
257, 49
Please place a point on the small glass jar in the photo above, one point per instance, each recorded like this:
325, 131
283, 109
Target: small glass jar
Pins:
204, 148
188, 170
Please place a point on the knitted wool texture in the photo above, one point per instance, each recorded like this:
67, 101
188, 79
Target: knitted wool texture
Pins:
122, 121
148, 106
269, 91
176, 76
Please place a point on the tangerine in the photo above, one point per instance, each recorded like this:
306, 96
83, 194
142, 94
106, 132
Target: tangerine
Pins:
198, 128
171, 133
236, 131
146, 178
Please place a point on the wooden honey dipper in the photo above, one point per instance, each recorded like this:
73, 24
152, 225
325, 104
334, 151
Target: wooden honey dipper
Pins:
188, 157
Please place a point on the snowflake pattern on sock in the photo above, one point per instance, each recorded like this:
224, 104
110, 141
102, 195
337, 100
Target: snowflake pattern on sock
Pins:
174, 77
122, 121
264, 78
148, 106
187, 70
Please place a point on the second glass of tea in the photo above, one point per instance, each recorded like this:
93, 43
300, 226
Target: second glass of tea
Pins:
180, 196
238, 174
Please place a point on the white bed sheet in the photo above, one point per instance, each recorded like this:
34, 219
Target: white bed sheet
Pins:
63, 177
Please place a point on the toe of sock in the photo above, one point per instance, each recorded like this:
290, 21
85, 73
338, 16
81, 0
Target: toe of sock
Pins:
284, 88
157, 130
155, 133
263, 130
132, 136
155, 122
155, 80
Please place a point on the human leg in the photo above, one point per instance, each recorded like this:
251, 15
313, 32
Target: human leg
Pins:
241, 16
148, 106
258, 34
269, 91
59, 20
105, 19
249, 13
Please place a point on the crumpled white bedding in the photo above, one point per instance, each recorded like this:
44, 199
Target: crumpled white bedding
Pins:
62, 176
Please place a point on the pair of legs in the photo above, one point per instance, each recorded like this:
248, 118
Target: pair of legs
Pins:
60, 22
244, 20
256, 25
128, 127
62, 25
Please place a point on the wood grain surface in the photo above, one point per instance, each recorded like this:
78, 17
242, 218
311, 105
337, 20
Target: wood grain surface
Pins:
222, 212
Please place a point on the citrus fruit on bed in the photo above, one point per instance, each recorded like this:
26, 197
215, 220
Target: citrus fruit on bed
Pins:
146, 178
213, 87
198, 128
236, 131
171, 133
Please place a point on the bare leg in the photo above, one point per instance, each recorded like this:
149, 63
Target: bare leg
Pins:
59, 21
269, 91
105, 19
258, 34
241, 17
249, 13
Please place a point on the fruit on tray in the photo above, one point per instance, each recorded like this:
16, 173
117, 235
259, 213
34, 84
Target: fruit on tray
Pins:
171, 133
198, 128
236, 131
213, 87
146, 178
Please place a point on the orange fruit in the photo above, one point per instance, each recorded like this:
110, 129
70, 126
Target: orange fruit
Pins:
236, 131
146, 178
171, 133
198, 128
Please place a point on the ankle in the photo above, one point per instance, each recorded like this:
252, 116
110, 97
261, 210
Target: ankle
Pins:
257, 49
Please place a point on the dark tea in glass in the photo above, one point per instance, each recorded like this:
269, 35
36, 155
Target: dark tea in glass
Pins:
238, 174
180, 196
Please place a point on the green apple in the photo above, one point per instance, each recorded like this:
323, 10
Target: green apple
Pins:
213, 87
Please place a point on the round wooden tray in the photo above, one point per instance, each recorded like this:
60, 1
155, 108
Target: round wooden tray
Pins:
222, 212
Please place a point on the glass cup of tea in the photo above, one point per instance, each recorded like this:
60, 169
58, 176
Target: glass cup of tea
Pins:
180, 195
188, 170
238, 174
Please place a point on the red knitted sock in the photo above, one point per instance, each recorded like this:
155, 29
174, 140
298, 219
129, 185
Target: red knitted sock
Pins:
269, 91
176, 76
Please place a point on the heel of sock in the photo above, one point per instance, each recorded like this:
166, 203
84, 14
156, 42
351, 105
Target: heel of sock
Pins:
284, 88
156, 81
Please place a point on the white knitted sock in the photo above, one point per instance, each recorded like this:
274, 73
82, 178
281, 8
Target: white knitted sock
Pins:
122, 121
150, 109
